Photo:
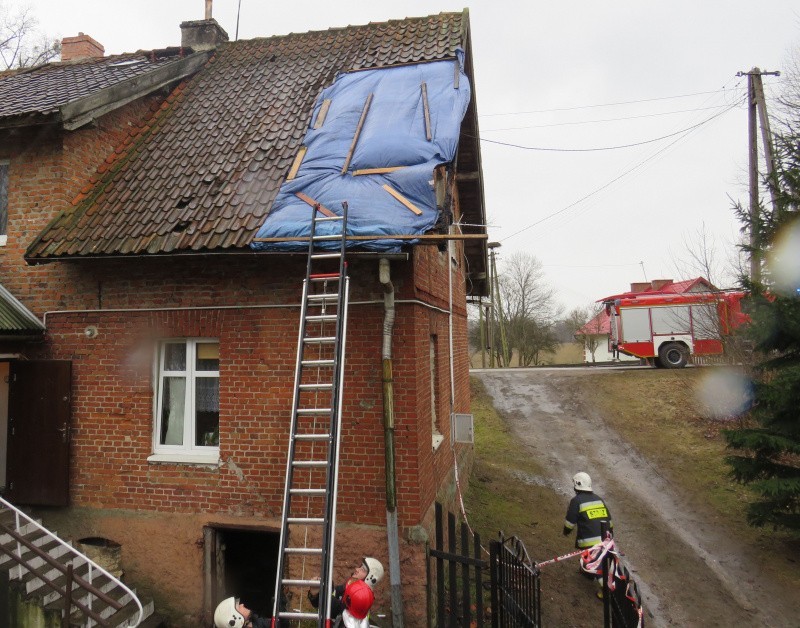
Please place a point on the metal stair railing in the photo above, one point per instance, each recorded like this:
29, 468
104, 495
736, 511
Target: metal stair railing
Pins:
65, 567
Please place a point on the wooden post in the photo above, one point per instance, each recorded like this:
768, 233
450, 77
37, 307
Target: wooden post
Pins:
755, 255
756, 105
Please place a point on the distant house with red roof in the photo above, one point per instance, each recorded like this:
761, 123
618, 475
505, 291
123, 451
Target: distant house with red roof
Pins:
596, 331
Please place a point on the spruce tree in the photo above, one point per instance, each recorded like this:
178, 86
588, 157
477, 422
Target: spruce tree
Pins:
766, 449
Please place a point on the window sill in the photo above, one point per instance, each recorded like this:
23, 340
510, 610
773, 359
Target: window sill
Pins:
210, 460
436, 441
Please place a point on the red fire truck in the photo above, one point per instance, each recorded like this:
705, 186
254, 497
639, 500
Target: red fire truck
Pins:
666, 329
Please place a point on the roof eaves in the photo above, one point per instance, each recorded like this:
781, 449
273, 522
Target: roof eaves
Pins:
15, 317
82, 111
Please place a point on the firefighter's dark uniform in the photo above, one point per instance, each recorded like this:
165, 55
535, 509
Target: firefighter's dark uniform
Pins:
587, 511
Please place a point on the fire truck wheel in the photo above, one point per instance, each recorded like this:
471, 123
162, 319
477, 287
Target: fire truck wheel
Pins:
673, 356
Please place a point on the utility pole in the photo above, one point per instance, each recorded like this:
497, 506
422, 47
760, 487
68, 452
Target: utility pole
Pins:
757, 105
497, 307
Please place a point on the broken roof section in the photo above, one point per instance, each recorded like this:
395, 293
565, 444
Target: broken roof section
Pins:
373, 142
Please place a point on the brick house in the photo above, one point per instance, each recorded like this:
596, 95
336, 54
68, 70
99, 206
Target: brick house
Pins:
131, 190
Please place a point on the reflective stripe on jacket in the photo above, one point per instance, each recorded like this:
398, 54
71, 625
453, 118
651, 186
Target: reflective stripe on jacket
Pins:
587, 511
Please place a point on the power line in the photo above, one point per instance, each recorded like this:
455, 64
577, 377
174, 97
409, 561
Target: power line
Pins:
578, 122
604, 148
590, 265
617, 178
611, 104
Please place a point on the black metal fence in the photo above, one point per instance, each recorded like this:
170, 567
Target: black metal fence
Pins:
515, 586
504, 591
471, 591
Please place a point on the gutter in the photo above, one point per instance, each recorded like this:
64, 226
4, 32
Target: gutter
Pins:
392, 534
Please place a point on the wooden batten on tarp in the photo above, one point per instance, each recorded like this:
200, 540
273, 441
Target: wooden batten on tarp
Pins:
296, 165
357, 133
386, 170
323, 112
320, 207
427, 112
426, 238
402, 199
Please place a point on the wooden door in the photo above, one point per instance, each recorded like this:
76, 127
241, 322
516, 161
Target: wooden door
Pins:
39, 409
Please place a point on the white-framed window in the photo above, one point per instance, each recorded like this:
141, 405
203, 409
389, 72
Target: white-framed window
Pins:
4, 165
187, 402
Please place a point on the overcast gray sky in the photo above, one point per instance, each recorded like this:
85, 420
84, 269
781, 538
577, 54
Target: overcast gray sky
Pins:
559, 75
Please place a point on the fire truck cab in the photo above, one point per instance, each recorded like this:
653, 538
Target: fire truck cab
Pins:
667, 329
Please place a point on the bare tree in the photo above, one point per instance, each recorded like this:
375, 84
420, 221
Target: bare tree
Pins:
702, 257
22, 45
529, 308
588, 319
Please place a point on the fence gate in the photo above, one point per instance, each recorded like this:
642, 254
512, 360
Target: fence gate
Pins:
515, 586
502, 592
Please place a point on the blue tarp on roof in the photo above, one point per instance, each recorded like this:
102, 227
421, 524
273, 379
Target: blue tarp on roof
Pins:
393, 134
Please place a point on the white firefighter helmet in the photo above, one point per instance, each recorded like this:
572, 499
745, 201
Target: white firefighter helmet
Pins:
374, 571
226, 615
582, 482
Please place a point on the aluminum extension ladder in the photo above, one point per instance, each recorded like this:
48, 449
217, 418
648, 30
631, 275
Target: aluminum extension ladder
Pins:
309, 500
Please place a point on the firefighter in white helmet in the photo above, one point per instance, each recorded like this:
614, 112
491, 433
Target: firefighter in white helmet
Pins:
370, 571
231, 613
587, 511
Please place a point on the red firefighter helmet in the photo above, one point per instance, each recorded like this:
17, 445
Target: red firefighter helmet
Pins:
358, 598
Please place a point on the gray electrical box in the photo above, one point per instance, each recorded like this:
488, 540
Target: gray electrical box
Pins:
462, 428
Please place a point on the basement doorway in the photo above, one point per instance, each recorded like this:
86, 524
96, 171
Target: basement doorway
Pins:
240, 562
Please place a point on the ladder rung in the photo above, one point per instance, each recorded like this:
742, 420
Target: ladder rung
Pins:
312, 411
325, 255
324, 277
316, 386
319, 340
297, 615
318, 218
321, 318
303, 550
317, 362
308, 464
310, 521
335, 236
300, 583
308, 491
312, 436
323, 296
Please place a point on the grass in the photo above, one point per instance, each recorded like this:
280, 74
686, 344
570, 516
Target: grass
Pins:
565, 353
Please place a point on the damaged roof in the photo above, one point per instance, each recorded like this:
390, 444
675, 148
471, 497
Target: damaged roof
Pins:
202, 173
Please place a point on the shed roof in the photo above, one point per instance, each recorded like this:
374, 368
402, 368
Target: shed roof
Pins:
203, 172
15, 318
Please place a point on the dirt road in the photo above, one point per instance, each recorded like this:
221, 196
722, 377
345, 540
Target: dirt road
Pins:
690, 572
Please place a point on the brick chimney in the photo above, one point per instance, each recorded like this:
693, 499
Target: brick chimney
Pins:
81, 47
660, 283
640, 286
202, 34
